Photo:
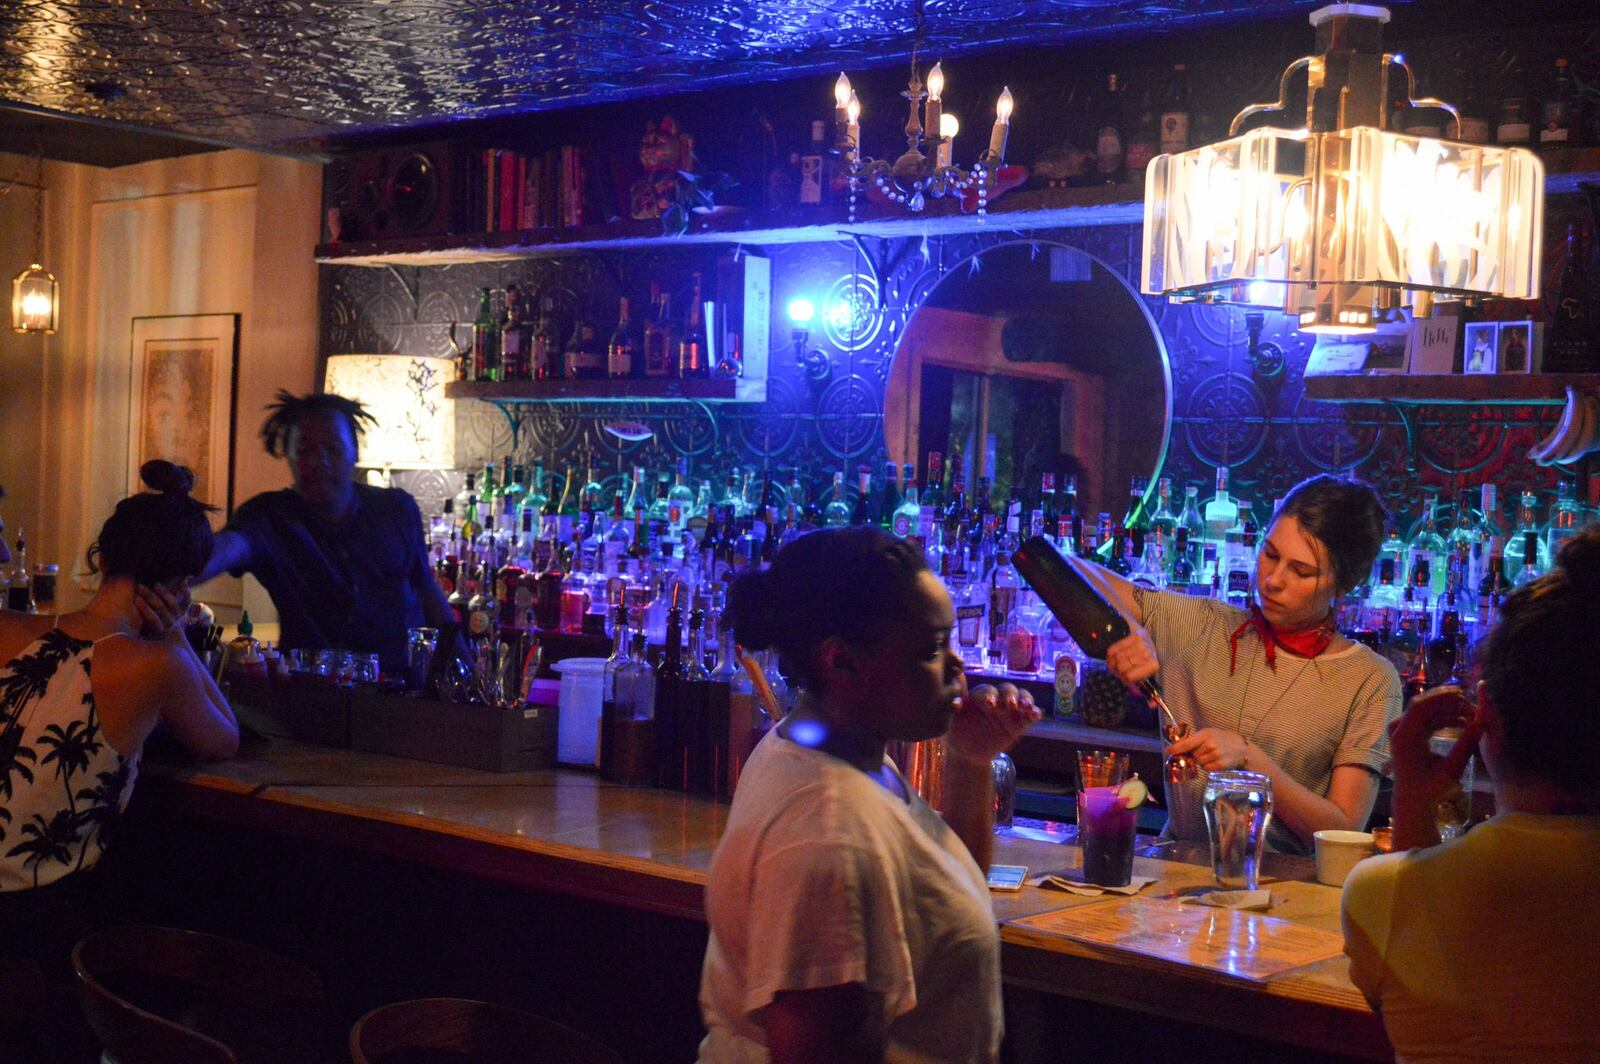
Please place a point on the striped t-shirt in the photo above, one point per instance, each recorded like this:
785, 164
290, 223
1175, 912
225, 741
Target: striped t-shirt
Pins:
1309, 714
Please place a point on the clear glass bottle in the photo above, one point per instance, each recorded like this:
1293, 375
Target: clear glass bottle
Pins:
837, 513
1221, 512
1189, 517
680, 499
907, 520
1428, 549
622, 352
627, 717
1517, 554
1566, 518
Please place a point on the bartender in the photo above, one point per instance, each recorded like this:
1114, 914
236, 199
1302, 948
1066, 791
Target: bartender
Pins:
1274, 688
344, 562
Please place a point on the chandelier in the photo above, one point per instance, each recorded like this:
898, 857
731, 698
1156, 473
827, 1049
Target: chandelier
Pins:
1344, 222
915, 177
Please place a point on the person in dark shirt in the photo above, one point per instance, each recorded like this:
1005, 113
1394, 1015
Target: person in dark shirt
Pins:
345, 563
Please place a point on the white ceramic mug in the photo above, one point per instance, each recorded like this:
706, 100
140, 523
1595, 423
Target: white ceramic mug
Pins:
1338, 852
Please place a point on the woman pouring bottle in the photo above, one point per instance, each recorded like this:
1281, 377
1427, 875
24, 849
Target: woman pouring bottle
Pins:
1274, 688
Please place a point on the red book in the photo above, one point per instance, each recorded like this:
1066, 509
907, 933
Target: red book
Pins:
509, 184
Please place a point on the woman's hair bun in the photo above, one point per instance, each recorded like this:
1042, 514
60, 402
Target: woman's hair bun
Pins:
167, 478
1579, 559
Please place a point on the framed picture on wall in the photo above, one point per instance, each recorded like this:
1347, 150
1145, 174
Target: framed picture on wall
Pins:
1478, 351
1518, 347
181, 400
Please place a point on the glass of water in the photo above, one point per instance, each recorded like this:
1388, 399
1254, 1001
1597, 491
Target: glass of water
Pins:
1238, 808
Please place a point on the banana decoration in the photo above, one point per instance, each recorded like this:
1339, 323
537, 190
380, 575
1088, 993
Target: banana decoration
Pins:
1575, 435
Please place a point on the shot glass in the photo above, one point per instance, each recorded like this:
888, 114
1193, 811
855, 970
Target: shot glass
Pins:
1238, 808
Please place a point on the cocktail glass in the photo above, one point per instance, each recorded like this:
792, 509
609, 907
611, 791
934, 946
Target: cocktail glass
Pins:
1105, 823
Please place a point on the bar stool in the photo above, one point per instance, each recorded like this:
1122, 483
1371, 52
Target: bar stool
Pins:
154, 995
462, 1031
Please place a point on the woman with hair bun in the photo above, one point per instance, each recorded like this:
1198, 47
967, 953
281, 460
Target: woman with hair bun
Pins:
849, 921
80, 693
1483, 948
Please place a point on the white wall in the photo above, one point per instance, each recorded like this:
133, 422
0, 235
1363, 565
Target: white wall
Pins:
220, 233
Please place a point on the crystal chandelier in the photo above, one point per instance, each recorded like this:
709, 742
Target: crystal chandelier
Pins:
914, 178
1342, 223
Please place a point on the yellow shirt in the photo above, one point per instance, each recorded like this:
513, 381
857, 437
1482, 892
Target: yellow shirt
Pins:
1487, 947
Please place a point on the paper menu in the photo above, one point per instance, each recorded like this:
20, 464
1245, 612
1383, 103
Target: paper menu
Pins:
1242, 944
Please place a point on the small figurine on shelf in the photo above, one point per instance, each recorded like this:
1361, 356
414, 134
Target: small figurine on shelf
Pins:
663, 152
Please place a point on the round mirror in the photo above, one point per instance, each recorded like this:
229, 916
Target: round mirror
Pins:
1033, 358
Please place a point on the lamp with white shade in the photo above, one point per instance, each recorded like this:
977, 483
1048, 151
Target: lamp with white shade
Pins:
416, 426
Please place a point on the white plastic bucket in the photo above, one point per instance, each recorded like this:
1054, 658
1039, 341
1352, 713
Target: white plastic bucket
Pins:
578, 715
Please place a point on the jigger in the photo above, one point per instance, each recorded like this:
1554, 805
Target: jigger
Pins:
1180, 768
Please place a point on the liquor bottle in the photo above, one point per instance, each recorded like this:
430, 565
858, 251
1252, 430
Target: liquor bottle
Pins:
838, 512
1518, 556
748, 720
671, 674
1068, 512
1163, 523
1181, 575
1108, 154
693, 352
622, 352
703, 720
885, 498
1238, 583
485, 340
516, 337
1464, 543
1474, 112
955, 522
680, 499
657, 356
627, 710
861, 512
1189, 516
482, 608
1566, 518
1558, 113
1003, 593
1047, 503
906, 521
19, 589
930, 499
1221, 512
1143, 139
1571, 345
1495, 586
1116, 553
1175, 113
1440, 655
1428, 550
1514, 121
583, 359
546, 351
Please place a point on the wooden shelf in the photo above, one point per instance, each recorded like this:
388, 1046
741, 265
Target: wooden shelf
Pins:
1033, 209
1504, 389
644, 390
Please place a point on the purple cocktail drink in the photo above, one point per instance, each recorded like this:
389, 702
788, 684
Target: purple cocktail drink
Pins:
1105, 834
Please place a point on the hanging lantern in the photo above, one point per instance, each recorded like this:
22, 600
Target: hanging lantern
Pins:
35, 301
1342, 222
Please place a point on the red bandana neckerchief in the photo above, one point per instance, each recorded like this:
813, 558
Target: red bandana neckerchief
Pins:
1306, 644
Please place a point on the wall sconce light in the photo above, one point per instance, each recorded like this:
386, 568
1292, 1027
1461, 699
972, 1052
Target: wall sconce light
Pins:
1343, 222
35, 295
817, 366
416, 426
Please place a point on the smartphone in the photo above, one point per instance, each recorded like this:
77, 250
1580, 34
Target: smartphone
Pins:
1007, 876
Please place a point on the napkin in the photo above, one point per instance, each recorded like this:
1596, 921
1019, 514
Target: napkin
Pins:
1254, 900
1072, 880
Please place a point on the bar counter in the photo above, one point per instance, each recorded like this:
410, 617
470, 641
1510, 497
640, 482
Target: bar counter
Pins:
569, 833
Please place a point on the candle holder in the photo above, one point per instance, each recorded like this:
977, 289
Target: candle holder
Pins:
919, 174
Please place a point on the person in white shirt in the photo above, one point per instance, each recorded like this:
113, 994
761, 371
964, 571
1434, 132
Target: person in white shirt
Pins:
849, 921
1484, 948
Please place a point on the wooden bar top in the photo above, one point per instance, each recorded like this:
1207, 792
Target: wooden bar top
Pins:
569, 832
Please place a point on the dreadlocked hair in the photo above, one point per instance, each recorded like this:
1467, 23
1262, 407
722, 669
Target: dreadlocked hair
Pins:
291, 410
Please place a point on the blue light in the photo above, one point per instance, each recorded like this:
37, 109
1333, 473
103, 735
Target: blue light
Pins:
807, 733
801, 311
840, 314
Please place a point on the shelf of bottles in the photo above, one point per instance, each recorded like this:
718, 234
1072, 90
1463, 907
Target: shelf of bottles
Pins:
649, 565
715, 350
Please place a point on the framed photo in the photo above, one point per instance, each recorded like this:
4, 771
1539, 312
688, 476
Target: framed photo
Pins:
1479, 353
1518, 347
181, 403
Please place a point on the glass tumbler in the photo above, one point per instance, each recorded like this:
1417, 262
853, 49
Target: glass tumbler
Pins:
1105, 825
1238, 808
1454, 811
1005, 790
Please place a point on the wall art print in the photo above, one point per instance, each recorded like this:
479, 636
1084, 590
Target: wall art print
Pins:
181, 400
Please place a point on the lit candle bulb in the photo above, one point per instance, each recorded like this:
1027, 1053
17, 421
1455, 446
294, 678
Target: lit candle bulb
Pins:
948, 128
853, 130
935, 105
841, 101
1002, 128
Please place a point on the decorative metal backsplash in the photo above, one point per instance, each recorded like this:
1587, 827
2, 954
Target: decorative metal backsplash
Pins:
284, 71
1225, 409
